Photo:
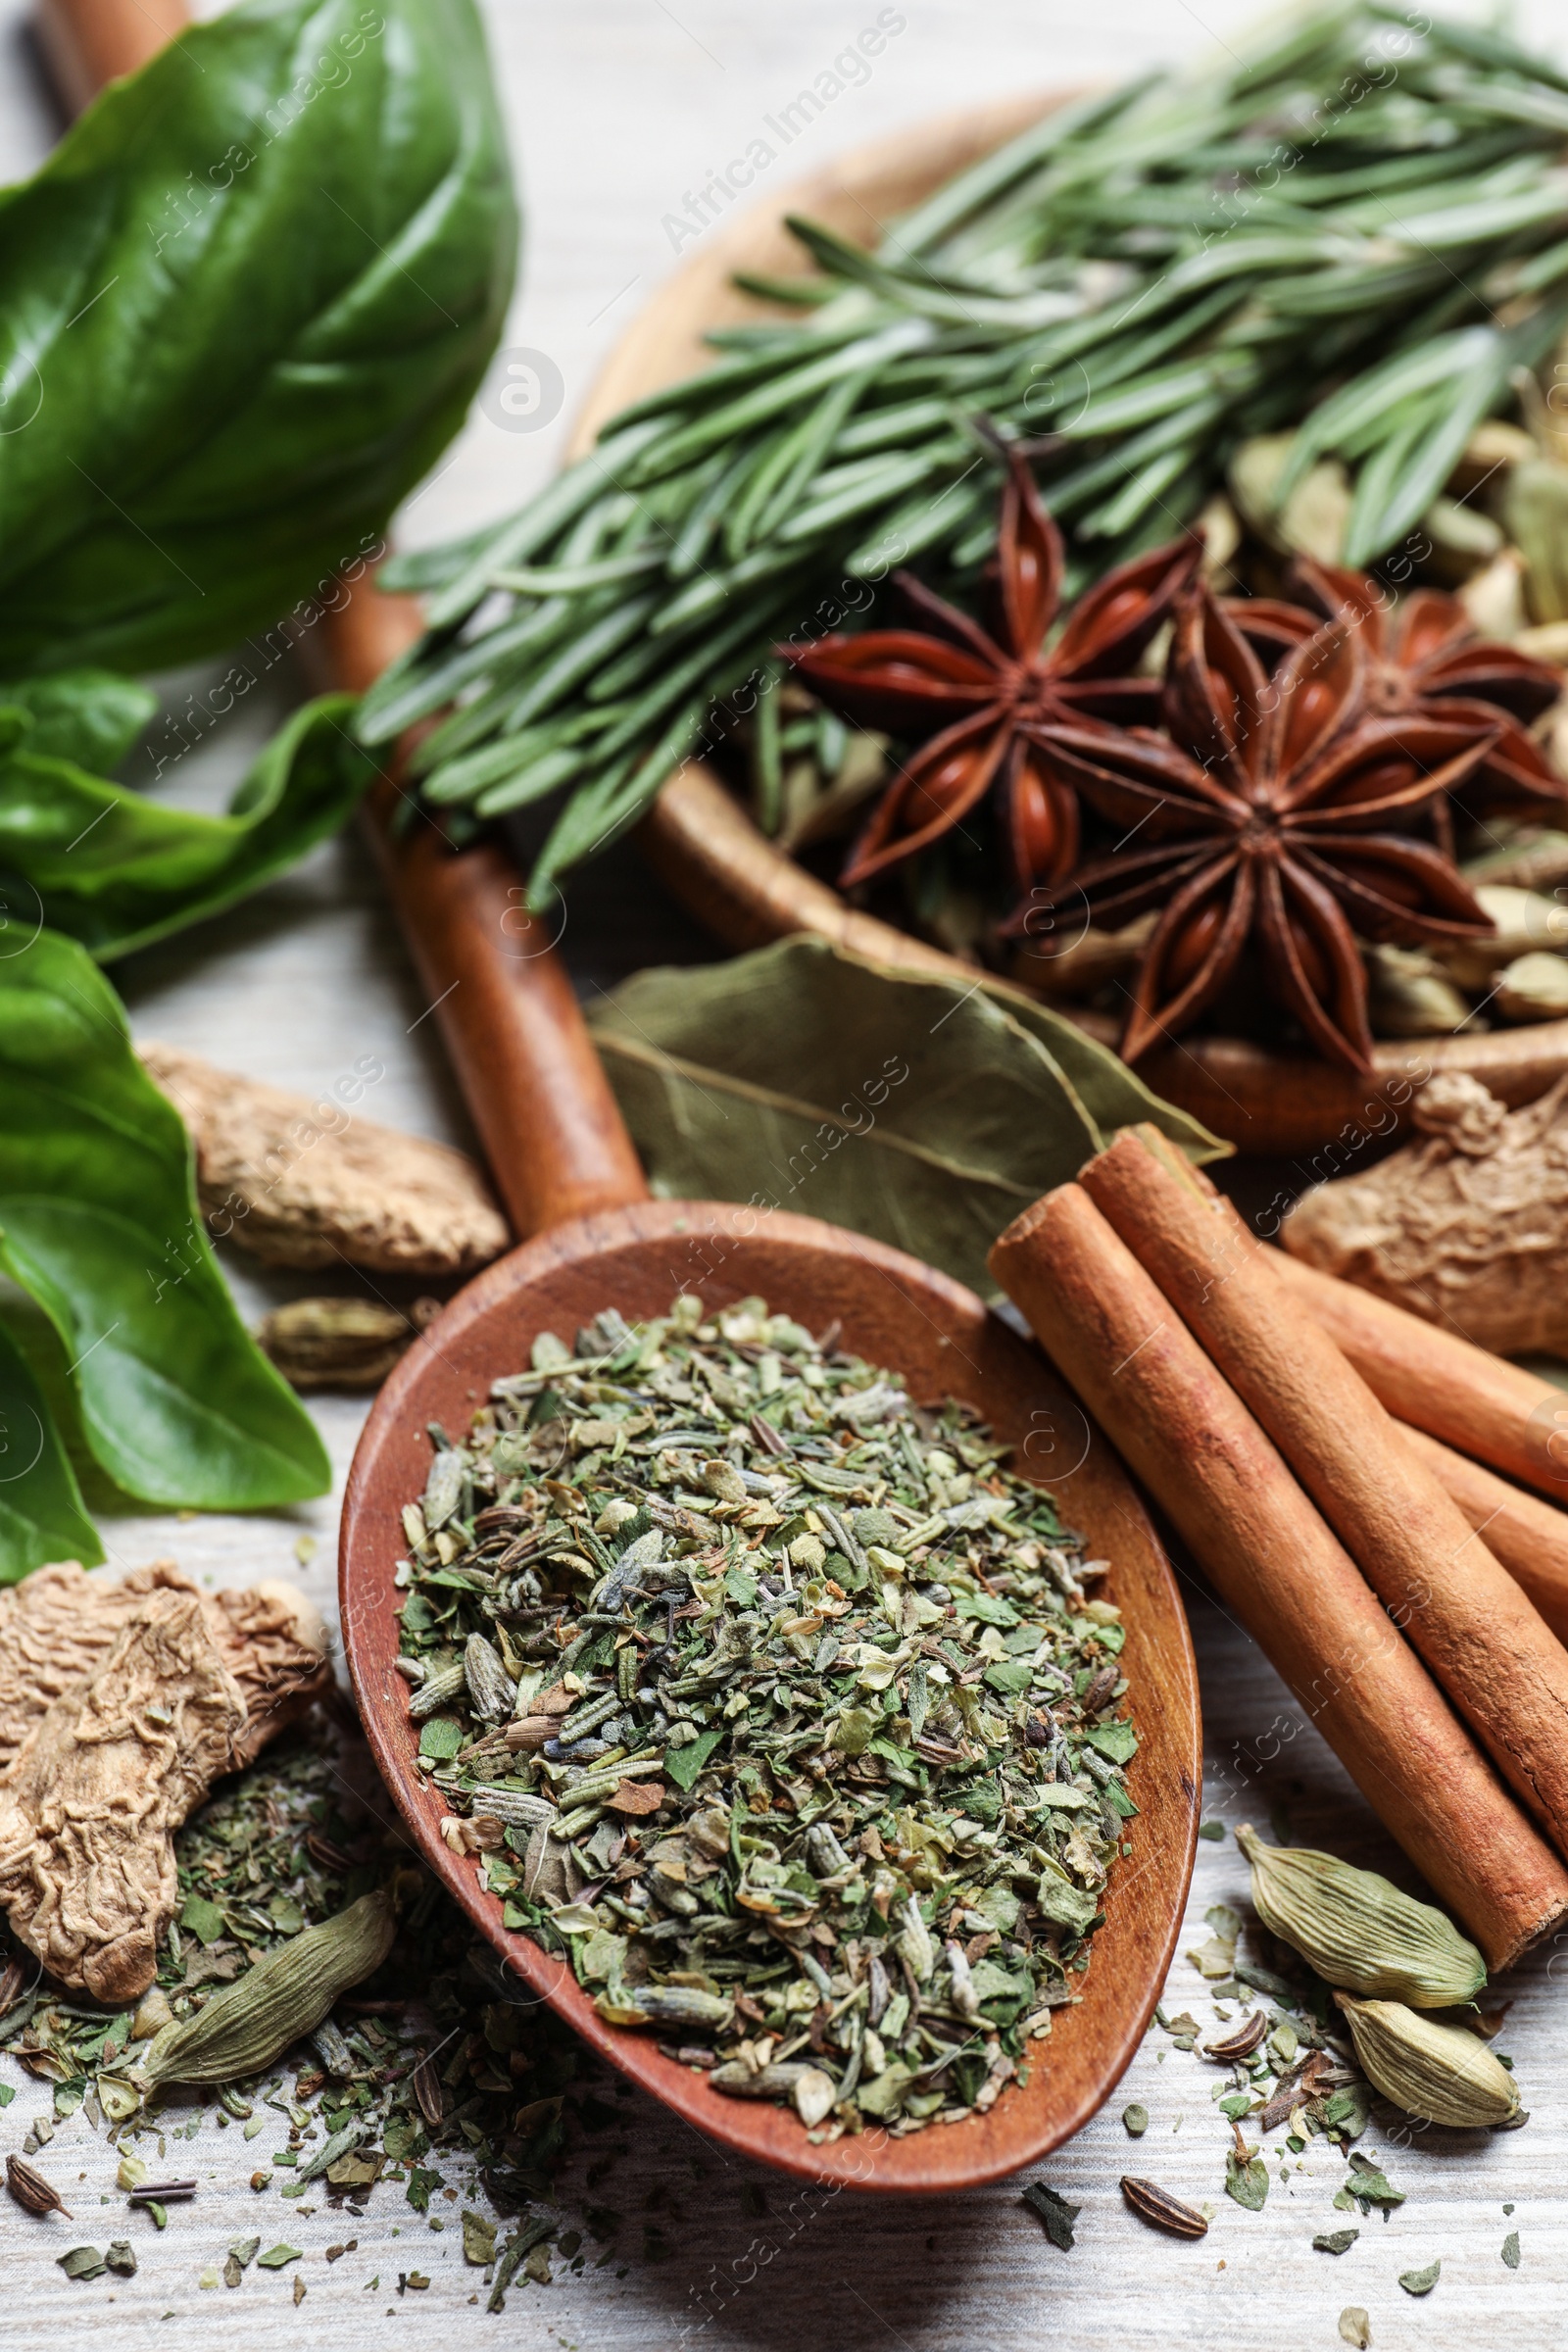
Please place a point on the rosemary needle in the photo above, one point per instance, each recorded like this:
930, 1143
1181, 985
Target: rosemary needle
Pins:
1316, 235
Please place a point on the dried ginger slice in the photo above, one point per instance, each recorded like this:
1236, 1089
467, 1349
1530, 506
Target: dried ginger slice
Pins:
275, 1644
56, 1627
300, 1183
109, 1771
120, 1705
1466, 1226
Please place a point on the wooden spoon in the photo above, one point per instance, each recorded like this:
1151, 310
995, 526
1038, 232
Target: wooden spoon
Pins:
566, 1169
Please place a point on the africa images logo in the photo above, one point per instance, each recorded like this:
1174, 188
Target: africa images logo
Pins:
850, 69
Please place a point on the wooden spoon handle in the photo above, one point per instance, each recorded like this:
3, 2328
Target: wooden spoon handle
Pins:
89, 42
554, 1139
551, 1131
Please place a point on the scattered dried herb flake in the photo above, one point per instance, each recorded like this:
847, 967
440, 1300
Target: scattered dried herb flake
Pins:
1247, 2178
1053, 2211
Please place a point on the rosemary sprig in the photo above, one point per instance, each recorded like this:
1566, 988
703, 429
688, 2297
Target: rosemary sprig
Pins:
1327, 231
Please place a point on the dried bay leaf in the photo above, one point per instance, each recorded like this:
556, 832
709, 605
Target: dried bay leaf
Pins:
920, 1110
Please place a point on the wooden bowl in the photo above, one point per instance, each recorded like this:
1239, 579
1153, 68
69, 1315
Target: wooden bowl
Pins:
704, 845
897, 1312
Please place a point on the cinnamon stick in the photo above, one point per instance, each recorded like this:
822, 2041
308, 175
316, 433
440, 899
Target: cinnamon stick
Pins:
1526, 1535
1500, 1663
1279, 1567
1471, 1400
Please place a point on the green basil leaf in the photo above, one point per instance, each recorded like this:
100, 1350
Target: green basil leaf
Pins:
925, 1111
42, 1516
99, 1224
117, 871
88, 716
243, 306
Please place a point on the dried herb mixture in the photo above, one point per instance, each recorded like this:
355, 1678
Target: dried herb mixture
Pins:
775, 1700
426, 2077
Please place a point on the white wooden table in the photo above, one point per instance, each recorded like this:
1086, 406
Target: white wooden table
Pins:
619, 109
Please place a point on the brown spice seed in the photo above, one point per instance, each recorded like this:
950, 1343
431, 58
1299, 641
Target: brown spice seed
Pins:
531, 1732
1099, 1692
1244, 2041
32, 2193
427, 2091
1155, 2204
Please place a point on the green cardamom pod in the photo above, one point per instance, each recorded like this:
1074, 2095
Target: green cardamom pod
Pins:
664, 2005
1356, 1929
1443, 2073
288, 1991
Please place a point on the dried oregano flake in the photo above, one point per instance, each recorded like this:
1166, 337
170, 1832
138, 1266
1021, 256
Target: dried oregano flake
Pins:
777, 1702
1053, 2211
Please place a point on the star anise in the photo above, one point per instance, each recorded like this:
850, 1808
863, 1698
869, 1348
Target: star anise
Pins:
1426, 655
1263, 819
966, 694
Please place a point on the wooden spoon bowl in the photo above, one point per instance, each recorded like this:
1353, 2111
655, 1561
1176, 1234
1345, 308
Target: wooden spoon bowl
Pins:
894, 1311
